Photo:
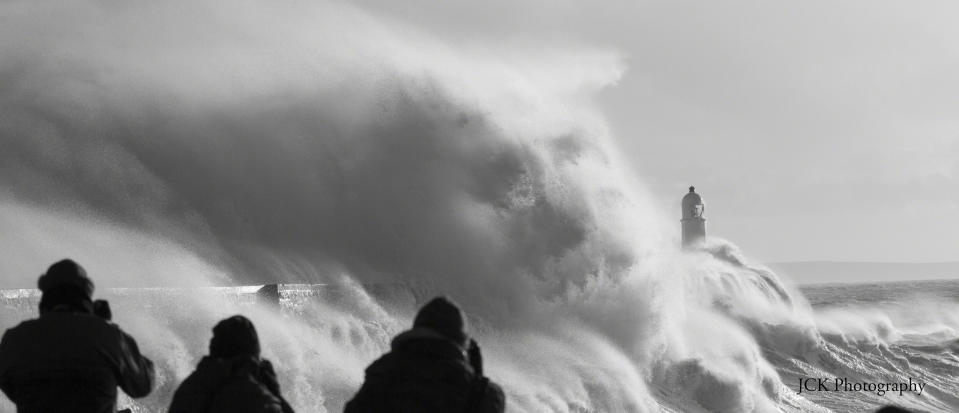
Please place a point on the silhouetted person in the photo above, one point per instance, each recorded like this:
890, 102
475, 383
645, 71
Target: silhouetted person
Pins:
892, 409
433, 367
233, 378
70, 359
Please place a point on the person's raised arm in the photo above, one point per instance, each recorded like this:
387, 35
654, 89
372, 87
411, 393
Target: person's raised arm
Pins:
135, 370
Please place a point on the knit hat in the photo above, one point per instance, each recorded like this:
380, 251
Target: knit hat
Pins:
444, 317
234, 336
66, 274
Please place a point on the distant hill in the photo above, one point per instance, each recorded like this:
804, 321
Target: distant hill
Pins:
815, 272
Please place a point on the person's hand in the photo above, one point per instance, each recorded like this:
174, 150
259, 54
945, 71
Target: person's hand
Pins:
101, 308
475, 357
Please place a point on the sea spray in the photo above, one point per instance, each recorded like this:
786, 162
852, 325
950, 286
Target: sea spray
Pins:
316, 143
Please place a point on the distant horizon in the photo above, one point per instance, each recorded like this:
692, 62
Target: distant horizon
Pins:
837, 261
831, 271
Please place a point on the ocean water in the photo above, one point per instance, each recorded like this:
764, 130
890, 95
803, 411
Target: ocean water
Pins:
886, 293
320, 337
885, 332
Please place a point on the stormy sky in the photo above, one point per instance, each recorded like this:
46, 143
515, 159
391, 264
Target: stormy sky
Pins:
815, 130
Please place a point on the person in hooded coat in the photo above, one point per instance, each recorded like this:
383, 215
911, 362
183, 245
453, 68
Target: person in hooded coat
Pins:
233, 378
71, 358
892, 409
433, 367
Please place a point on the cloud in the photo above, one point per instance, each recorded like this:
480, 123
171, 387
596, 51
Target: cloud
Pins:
256, 135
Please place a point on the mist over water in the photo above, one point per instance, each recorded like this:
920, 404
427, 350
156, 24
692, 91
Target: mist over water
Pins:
192, 144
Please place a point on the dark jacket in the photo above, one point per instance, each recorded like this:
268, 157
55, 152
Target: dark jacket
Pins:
69, 361
424, 373
243, 384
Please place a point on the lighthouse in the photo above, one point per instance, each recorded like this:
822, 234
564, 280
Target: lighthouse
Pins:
694, 224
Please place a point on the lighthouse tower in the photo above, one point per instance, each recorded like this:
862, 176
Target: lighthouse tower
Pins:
694, 224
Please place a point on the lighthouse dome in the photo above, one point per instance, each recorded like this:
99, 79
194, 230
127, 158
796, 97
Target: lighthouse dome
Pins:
693, 206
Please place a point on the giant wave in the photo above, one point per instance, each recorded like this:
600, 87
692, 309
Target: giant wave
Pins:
316, 143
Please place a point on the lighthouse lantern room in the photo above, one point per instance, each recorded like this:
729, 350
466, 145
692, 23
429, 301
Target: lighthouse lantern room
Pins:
694, 223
